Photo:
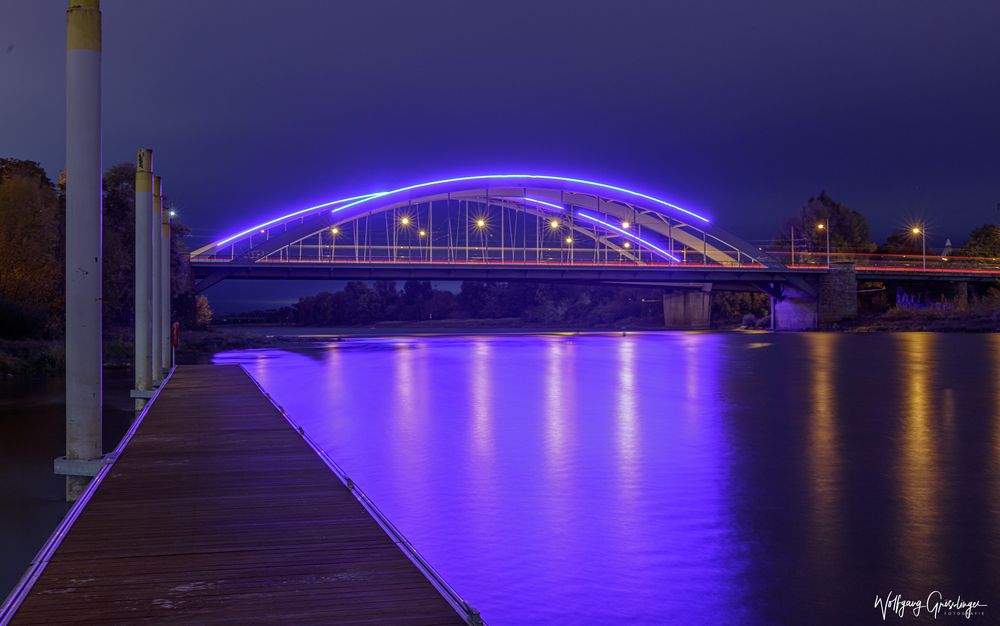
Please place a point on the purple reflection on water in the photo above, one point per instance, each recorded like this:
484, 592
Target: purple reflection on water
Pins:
670, 477
544, 477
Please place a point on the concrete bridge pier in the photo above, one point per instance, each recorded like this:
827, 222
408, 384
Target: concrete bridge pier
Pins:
688, 306
832, 299
960, 295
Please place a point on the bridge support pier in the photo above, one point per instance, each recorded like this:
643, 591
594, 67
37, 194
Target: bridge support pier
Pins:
960, 295
688, 307
836, 300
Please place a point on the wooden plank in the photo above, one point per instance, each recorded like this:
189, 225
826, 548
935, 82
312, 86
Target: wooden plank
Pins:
218, 512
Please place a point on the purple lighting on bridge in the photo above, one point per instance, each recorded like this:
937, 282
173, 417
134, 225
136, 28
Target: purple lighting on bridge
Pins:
624, 232
223, 242
346, 203
545, 203
564, 179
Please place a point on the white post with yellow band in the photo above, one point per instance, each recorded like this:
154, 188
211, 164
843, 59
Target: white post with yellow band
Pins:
143, 276
83, 246
166, 350
156, 310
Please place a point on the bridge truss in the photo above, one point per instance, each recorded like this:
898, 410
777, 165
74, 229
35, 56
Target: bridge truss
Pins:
499, 219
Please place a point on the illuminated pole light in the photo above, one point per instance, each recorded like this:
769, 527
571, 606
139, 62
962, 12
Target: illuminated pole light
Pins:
917, 230
423, 233
480, 223
554, 224
625, 224
826, 227
335, 230
628, 245
569, 240
405, 221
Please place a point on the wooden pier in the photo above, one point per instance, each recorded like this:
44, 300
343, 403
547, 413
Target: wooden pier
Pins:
217, 510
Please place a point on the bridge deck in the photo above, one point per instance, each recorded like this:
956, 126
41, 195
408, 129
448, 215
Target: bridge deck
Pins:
218, 511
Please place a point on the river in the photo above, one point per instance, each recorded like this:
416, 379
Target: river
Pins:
688, 478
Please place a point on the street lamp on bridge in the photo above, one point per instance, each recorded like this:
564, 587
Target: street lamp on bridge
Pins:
919, 230
825, 226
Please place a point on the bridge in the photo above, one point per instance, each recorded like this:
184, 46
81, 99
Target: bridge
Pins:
541, 227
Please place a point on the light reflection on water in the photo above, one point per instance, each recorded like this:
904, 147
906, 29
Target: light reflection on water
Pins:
670, 477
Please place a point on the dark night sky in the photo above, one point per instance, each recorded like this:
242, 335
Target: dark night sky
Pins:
741, 109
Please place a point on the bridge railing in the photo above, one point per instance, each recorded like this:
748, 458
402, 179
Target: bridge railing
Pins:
889, 261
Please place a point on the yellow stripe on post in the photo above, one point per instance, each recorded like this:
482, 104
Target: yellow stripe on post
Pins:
83, 25
144, 170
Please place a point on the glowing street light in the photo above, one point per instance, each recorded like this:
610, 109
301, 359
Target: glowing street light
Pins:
423, 233
335, 230
919, 230
826, 226
405, 221
173, 213
554, 224
480, 223
569, 240
628, 244
625, 224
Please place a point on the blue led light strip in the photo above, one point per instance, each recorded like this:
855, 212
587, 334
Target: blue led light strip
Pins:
651, 246
346, 203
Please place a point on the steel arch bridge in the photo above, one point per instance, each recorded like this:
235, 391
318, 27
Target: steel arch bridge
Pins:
539, 227
501, 226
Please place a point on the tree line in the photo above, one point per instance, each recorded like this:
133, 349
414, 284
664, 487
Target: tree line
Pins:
32, 254
849, 232
530, 303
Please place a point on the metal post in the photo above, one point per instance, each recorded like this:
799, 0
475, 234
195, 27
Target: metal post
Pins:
143, 275
166, 362
156, 310
83, 246
793, 245
828, 244
923, 245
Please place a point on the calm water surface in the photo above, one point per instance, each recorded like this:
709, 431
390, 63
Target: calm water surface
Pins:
672, 477
32, 434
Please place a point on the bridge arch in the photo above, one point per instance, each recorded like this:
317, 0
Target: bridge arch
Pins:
494, 218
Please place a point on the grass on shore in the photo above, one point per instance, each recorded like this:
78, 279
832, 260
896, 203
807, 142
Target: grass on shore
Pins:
973, 319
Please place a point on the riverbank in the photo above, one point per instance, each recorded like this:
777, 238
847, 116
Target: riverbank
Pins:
499, 326
28, 358
38, 357
971, 320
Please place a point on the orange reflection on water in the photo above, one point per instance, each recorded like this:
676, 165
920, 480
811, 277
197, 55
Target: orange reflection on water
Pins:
995, 351
918, 467
824, 455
